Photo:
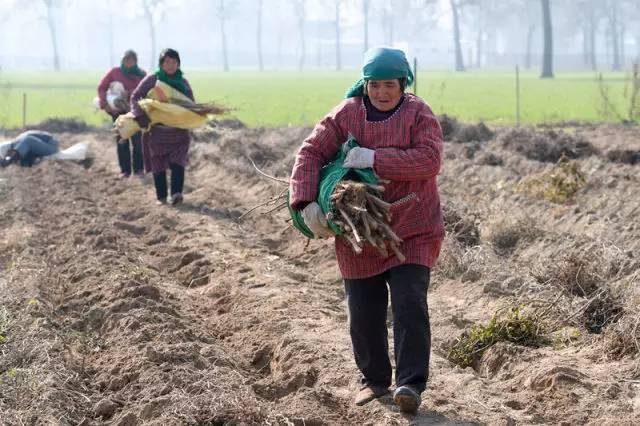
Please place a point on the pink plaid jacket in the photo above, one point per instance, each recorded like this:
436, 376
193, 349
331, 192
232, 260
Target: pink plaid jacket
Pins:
408, 149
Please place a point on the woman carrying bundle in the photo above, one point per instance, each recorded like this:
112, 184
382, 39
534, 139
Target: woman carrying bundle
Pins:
401, 140
128, 75
164, 147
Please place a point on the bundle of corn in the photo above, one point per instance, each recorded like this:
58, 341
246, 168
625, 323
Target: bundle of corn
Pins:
363, 217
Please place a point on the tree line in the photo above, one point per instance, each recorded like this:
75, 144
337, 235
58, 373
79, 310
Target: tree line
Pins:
597, 23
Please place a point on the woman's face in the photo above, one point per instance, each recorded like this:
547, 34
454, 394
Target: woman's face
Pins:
384, 94
170, 65
129, 62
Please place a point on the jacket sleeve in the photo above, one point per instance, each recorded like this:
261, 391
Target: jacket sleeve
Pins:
138, 93
317, 150
103, 86
419, 162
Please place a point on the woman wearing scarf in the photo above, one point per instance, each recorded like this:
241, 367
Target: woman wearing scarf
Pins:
129, 75
401, 139
164, 147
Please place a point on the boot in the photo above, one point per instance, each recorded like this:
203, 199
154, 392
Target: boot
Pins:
369, 393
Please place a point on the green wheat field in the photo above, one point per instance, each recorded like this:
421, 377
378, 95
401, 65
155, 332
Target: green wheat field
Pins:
289, 98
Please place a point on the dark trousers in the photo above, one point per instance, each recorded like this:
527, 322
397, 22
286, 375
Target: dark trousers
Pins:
125, 158
367, 302
177, 181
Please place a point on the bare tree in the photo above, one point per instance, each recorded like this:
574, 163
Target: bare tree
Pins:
153, 11
530, 33
488, 15
338, 55
387, 22
480, 37
456, 35
109, 12
366, 4
222, 12
612, 7
547, 56
593, 28
582, 14
300, 13
51, 22
259, 36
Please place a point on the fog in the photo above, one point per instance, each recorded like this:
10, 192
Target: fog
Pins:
297, 34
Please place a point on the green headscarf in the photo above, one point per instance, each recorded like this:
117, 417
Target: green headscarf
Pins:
382, 63
176, 81
133, 71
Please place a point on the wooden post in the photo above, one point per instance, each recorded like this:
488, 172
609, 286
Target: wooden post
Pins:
415, 76
24, 110
517, 95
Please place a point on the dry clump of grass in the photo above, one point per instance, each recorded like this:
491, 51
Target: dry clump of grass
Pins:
449, 126
474, 133
583, 276
546, 146
459, 261
460, 222
504, 232
622, 339
471, 149
557, 185
490, 159
4, 324
624, 156
35, 376
454, 131
214, 398
512, 324
61, 125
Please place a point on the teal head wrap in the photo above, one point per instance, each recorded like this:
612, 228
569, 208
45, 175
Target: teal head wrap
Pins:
382, 63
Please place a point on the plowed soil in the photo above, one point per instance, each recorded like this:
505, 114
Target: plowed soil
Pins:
116, 311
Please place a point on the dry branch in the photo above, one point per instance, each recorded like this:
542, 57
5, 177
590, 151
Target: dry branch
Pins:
364, 217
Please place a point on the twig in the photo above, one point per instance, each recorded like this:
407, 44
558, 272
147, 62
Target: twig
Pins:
278, 207
355, 245
346, 217
269, 201
286, 182
397, 252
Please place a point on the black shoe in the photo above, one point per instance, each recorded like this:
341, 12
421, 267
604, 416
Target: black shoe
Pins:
4, 162
407, 398
176, 199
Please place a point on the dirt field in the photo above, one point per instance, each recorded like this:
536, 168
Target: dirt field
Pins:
116, 311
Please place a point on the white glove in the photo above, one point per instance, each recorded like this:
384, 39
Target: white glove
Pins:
359, 158
314, 219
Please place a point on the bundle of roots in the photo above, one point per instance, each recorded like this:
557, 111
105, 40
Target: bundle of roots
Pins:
358, 210
363, 217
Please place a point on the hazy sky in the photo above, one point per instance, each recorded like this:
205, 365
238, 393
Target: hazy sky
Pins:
93, 34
